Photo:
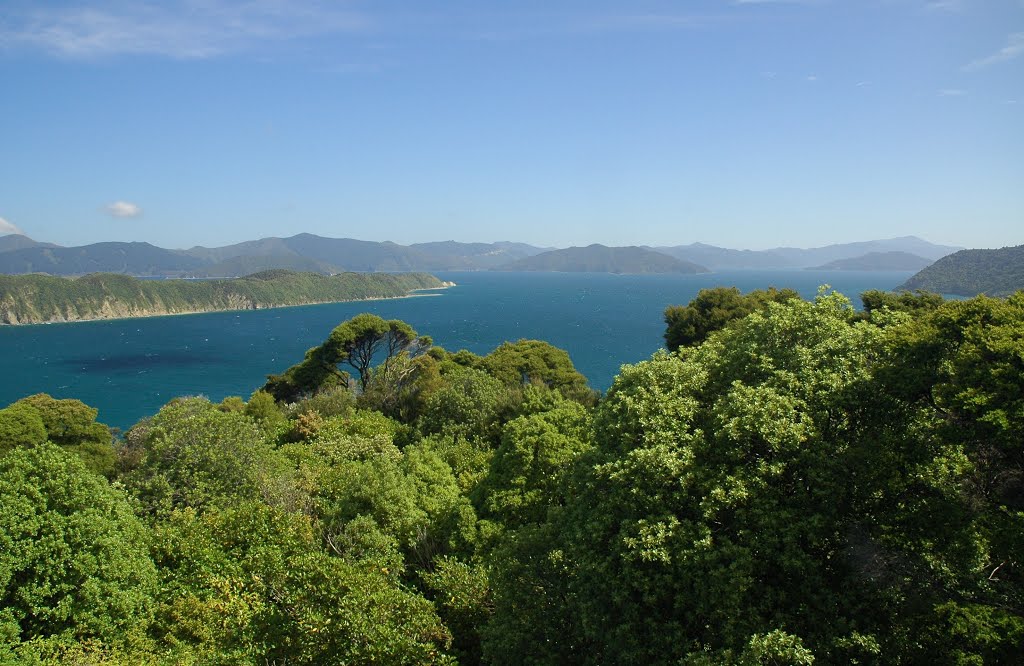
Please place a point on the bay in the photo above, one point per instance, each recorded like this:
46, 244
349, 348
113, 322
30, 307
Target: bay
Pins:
129, 368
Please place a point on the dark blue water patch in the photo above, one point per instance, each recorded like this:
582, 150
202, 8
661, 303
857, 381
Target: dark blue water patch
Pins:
130, 368
135, 362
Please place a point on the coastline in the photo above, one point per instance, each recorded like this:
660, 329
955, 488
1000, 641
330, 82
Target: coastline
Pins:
412, 294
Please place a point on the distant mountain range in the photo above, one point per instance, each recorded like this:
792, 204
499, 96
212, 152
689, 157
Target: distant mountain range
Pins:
307, 252
600, 259
878, 261
971, 272
717, 258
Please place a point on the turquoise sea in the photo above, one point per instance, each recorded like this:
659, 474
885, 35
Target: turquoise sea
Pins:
129, 368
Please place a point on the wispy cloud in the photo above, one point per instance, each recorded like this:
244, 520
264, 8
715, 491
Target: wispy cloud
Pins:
183, 29
952, 92
1014, 48
123, 209
9, 228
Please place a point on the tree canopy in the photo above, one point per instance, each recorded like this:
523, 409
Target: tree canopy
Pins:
356, 343
713, 309
803, 484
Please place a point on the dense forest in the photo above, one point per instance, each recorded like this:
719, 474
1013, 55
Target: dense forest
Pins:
969, 272
790, 482
36, 299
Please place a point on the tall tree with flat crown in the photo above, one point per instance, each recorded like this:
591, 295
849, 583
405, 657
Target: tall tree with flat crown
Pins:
356, 343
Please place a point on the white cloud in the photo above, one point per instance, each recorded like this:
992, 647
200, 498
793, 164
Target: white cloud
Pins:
812, 78
123, 209
184, 29
1013, 49
952, 92
9, 228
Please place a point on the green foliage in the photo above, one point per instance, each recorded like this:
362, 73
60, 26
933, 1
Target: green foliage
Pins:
535, 362
262, 409
470, 404
27, 299
461, 594
917, 303
21, 427
971, 272
316, 373
251, 585
72, 425
73, 558
401, 388
527, 470
232, 403
337, 401
193, 455
712, 310
808, 484
356, 343
412, 496
973, 634
709, 511
468, 459
533, 620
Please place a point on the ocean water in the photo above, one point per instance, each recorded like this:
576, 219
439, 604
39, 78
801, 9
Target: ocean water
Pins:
129, 368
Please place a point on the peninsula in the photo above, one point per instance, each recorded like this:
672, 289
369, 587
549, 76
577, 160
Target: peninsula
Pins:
971, 272
38, 299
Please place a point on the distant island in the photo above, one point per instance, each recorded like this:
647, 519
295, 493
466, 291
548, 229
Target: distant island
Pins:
20, 254
719, 258
38, 299
971, 272
601, 259
877, 261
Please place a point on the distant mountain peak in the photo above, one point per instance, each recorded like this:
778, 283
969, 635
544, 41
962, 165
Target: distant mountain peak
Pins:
597, 258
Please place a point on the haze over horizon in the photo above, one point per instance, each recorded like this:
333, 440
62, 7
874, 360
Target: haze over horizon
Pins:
746, 124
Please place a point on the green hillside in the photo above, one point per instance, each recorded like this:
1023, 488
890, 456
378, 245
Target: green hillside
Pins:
35, 299
971, 272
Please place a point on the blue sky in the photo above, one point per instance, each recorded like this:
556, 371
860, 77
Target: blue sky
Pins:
741, 123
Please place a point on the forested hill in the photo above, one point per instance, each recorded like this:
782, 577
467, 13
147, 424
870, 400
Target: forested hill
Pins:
36, 299
877, 261
601, 259
971, 272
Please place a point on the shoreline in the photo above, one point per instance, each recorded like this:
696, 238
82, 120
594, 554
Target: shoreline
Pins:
412, 294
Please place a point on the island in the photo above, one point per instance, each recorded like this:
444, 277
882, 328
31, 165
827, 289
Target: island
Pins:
601, 259
38, 299
972, 272
877, 261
